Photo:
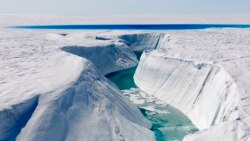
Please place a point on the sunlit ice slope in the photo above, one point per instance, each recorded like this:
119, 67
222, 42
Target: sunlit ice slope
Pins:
53, 86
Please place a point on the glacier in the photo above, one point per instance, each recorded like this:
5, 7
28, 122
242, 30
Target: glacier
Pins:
53, 84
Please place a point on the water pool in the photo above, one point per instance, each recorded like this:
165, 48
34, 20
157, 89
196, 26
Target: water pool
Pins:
169, 124
133, 26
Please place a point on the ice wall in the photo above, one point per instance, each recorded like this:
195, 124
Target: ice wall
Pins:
107, 58
144, 41
203, 91
115, 52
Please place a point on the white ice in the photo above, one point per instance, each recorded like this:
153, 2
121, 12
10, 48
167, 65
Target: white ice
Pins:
205, 74
50, 89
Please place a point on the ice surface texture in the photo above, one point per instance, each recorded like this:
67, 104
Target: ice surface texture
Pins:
53, 88
50, 89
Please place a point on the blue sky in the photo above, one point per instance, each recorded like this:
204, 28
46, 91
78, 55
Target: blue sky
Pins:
124, 7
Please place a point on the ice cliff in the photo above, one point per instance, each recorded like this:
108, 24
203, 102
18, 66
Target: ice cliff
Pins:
201, 84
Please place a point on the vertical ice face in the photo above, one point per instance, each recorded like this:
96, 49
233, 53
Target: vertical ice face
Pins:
107, 57
15, 118
144, 41
205, 92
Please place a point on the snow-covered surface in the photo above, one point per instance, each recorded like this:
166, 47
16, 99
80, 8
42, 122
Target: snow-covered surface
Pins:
50, 87
205, 74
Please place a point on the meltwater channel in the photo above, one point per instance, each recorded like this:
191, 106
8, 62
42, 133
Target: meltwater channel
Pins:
169, 124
